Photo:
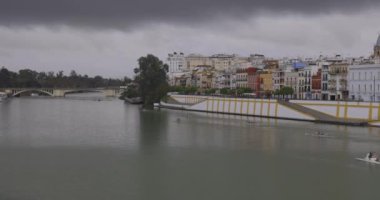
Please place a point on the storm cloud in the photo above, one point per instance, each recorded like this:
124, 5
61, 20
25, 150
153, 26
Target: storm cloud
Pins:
126, 14
106, 37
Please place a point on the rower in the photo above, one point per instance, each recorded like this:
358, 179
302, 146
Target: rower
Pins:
370, 154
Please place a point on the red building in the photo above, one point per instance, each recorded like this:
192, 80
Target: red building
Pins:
254, 79
316, 85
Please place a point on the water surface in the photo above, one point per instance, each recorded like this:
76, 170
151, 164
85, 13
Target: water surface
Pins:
83, 148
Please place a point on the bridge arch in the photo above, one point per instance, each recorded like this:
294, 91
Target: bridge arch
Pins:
32, 90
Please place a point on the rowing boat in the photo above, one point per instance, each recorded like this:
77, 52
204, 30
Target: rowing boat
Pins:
368, 160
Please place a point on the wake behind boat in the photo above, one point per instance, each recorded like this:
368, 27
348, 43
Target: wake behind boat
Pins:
370, 158
319, 134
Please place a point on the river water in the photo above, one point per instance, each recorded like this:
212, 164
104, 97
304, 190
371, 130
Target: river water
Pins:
86, 149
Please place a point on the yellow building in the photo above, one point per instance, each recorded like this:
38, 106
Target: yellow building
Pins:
266, 81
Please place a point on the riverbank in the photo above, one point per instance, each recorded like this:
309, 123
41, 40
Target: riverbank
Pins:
332, 112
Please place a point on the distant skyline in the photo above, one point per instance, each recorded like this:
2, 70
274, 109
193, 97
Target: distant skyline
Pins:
99, 37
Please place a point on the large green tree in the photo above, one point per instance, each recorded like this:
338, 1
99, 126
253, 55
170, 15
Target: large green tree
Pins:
151, 79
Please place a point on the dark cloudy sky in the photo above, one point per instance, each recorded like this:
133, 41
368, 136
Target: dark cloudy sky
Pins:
107, 36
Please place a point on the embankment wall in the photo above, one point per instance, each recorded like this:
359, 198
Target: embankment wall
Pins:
240, 106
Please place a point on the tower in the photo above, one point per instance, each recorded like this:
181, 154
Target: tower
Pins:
376, 51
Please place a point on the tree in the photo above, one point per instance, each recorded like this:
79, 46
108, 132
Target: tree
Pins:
27, 78
31, 79
277, 93
5, 77
241, 91
73, 74
151, 78
225, 91
286, 91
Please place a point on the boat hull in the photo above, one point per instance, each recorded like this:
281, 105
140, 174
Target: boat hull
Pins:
369, 161
135, 100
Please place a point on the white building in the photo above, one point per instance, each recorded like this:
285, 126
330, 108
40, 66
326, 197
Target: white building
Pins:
278, 79
324, 64
364, 82
242, 78
305, 81
176, 62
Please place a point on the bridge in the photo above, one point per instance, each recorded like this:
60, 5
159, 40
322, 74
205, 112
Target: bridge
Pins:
61, 92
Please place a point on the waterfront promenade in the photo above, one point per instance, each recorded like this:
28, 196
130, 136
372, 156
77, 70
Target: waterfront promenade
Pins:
336, 112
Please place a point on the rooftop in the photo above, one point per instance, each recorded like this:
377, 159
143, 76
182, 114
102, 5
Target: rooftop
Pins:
366, 66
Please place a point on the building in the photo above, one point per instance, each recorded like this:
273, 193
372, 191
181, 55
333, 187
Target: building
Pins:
176, 63
194, 60
324, 80
241, 78
257, 60
301, 91
337, 82
217, 80
271, 65
278, 77
364, 80
266, 83
325, 65
308, 81
221, 61
183, 80
253, 79
298, 67
316, 85
291, 80
202, 77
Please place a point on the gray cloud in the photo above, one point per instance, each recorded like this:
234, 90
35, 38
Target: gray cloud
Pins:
113, 53
107, 37
130, 13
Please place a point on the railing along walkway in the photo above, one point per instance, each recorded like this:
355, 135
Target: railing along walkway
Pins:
319, 116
